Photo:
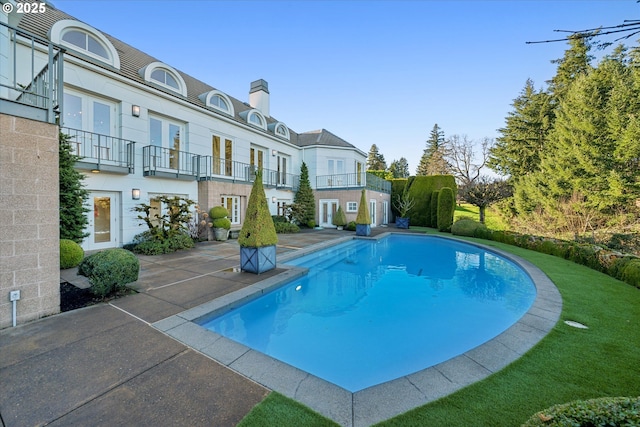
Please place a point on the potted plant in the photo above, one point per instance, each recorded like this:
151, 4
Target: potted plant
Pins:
363, 220
220, 223
258, 236
339, 218
403, 204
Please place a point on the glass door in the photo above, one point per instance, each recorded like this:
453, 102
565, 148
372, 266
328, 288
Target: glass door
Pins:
372, 213
103, 221
328, 208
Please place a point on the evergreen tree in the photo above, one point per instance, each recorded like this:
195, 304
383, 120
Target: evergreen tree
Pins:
73, 195
517, 152
399, 168
433, 160
375, 160
304, 210
575, 62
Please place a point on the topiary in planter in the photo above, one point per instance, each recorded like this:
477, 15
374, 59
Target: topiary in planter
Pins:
340, 218
363, 220
110, 270
218, 212
257, 238
71, 254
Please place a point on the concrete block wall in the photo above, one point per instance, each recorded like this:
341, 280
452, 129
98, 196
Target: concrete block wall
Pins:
29, 228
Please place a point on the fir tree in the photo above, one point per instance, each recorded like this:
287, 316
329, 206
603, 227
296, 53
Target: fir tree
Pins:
399, 168
376, 161
73, 195
304, 200
433, 161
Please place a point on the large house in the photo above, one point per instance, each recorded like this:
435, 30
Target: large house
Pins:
143, 129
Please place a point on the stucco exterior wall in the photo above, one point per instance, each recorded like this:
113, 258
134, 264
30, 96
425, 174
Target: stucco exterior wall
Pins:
29, 208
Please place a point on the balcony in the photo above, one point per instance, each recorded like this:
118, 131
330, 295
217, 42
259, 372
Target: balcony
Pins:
31, 75
219, 169
101, 152
169, 163
348, 181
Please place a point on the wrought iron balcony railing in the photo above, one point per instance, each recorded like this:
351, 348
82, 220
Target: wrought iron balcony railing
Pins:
215, 168
353, 180
101, 152
31, 75
169, 163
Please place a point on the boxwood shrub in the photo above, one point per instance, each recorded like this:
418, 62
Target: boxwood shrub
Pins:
110, 270
605, 411
468, 228
286, 227
71, 254
420, 189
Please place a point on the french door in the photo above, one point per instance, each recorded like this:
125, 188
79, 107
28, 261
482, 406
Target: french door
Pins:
103, 227
328, 208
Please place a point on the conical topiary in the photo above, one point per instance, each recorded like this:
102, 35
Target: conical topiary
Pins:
339, 218
258, 229
363, 211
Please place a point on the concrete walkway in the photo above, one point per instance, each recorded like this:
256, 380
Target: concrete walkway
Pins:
123, 363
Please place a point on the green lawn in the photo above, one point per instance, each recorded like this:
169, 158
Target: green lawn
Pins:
492, 218
568, 364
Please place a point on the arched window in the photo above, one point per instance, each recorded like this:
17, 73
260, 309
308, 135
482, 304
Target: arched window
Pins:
165, 76
218, 101
280, 129
84, 39
255, 118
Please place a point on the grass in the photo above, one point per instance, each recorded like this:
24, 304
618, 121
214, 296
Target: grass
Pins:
568, 364
492, 218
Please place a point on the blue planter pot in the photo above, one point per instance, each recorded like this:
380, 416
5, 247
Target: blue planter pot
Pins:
258, 260
363, 229
402, 222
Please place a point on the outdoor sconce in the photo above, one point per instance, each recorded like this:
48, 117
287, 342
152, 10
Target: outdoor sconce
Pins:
274, 152
274, 199
135, 193
135, 110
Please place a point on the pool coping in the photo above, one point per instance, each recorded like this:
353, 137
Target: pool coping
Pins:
383, 401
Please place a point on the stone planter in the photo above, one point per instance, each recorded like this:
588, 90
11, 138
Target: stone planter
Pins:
258, 260
339, 227
402, 222
363, 229
221, 234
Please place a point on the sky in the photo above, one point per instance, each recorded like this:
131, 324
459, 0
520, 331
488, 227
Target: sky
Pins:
371, 72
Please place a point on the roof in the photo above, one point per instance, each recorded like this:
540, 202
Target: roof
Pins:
132, 60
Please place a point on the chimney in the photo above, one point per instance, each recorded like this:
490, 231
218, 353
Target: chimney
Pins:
259, 96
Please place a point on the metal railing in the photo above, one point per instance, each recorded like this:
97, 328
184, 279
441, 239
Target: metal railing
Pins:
159, 160
35, 82
100, 149
353, 180
223, 169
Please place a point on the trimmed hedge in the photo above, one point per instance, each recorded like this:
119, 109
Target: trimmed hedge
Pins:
286, 227
605, 411
446, 206
110, 270
71, 254
468, 228
147, 244
420, 189
432, 218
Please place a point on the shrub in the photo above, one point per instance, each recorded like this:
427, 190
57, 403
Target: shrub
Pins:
631, 272
466, 227
446, 203
110, 270
311, 223
218, 212
362, 216
223, 222
149, 244
258, 229
71, 254
351, 226
340, 218
286, 227
420, 189
279, 218
605, 411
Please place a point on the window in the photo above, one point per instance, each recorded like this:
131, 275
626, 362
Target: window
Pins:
222, 155
165, 76
232, 203
255, 118
93, 118
352, 206
218, 101
282, 169
280, 129
166, 134
282, 207
257, 155
82, 38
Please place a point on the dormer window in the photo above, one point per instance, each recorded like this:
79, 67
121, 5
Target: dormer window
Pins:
280, 129
82, 38
218, 101
255, 118
164, 76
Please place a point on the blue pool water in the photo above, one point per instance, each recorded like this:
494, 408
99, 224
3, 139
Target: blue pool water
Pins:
370, 311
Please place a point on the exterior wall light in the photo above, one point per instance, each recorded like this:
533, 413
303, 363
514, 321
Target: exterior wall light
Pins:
274, 152
274, 199
135, 193
135, 110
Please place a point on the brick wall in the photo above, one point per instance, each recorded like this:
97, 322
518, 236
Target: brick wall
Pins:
29, 228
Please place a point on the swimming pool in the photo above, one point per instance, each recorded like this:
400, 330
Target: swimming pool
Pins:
370, 311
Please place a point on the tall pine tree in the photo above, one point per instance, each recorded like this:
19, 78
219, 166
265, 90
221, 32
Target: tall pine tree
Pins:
304, 200
375, 160
73, 195
433, 160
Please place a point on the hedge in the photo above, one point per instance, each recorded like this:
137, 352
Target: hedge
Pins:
71, 254
446, 206
467, 227
432, 218
604, 411
420, 189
